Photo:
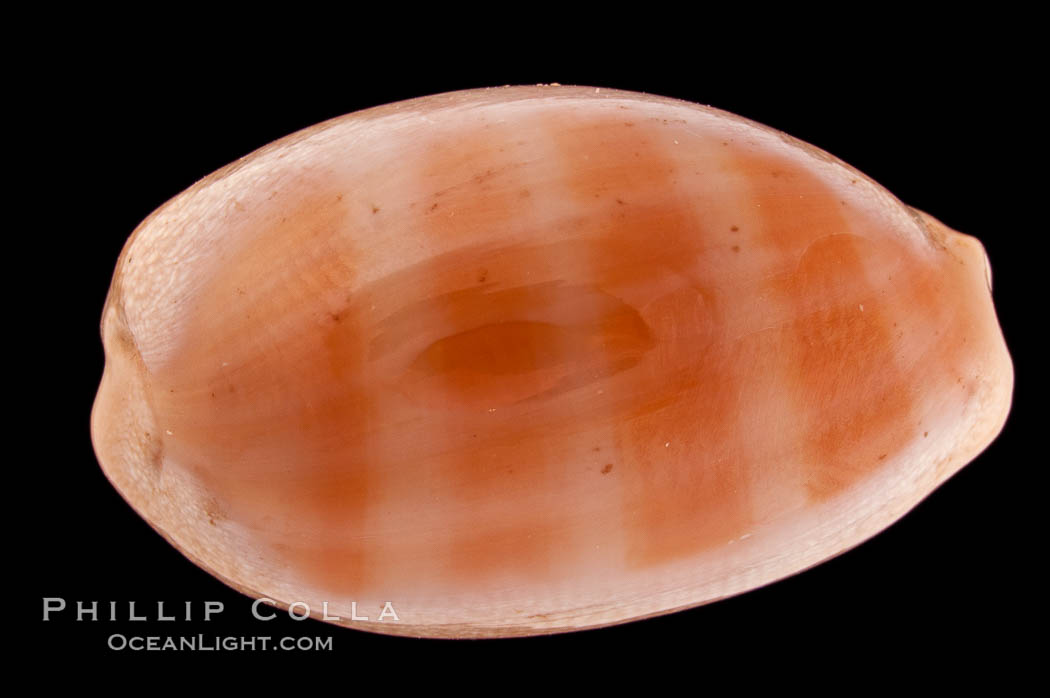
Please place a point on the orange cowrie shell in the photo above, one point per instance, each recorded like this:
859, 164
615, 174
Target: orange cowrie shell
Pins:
536, 359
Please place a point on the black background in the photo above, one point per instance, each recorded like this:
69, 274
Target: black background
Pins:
123, 130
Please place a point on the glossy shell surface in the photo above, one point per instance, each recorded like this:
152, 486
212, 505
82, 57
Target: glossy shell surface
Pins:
528, 360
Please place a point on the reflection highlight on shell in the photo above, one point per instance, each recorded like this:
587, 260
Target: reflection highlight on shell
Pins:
535, 359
